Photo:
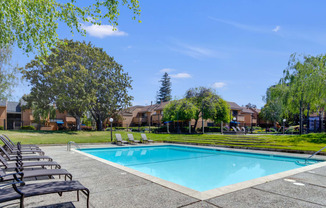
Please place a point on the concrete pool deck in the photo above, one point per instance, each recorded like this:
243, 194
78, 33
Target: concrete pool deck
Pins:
114, 187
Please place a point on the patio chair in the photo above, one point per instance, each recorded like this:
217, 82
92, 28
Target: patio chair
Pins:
234, 129
23, 157
21, 164
238, 128
132, 140
144, 138
119, 139
34, 173
36, 189
12, 150
23, 145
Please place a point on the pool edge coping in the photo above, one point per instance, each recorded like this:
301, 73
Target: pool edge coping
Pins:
205, 195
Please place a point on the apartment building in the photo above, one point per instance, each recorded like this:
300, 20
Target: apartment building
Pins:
151, 115
13, 117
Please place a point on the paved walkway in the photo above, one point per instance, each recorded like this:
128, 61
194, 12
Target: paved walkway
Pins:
112, 187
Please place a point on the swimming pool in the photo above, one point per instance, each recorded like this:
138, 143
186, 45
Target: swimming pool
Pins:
200, 169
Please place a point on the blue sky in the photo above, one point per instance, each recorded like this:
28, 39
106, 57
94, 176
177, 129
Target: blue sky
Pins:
239, 48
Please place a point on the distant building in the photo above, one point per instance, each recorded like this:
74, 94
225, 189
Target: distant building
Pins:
151, 115
13, 117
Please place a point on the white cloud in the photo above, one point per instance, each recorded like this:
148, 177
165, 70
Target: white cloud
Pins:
218, 85
276, 29
167, 70
102, 31
197, 52
259, 29
239, 25
181, 76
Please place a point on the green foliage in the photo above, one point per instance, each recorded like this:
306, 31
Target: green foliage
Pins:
42, 110
275, 107
197, 102
28, 128
210, 129
1, 128
303, 81
179, 110
209, 105
164, 93
33, 24
7, 72
79, 77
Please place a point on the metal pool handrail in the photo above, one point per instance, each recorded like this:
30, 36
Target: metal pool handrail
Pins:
315, 153
69, 145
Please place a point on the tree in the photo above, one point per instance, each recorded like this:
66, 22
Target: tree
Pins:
33, 24
40, 112
274, 109
164, 93
202, 98
301, 89
222, 110
79, 77
249, 105
109, 85
179, 110
7, 73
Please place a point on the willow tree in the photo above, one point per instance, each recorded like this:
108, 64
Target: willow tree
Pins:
7, 73
79, 77
33, 24
302, 88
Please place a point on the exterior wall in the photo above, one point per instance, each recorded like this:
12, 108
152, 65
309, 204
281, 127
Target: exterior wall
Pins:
27, 117
3, 115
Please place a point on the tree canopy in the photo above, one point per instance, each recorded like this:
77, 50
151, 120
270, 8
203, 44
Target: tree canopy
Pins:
7, 73
179, 110
198, 102
33, 24
79, 77
303, 84
164, 93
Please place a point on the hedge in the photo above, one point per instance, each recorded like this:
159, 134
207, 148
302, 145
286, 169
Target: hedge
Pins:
28, 128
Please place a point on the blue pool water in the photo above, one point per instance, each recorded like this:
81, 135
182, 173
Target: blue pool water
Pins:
196, 168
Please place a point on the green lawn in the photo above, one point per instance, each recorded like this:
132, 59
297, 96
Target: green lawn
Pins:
310, 142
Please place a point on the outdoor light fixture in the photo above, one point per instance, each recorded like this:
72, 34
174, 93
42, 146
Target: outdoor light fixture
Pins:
284, 125
111, 121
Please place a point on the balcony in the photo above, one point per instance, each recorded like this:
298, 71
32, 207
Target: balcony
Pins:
241, 119
137, 120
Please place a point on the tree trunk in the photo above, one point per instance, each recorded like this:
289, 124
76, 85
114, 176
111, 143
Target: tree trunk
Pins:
99, 124
78, 123
195, 125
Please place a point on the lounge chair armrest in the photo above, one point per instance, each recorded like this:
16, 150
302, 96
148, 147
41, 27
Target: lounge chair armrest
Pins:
21, 174
13, 183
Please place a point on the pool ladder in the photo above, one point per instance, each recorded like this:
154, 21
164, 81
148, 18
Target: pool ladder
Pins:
70, 143
306, 160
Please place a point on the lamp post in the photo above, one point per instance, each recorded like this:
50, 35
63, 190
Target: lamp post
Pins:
111, 121
234, 120
284, 120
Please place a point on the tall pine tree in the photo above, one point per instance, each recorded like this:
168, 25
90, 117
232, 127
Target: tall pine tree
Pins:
164, 94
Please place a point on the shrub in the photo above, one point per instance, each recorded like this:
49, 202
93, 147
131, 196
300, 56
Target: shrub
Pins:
257, 128
1, 128
27, 128
86, 128
210, 129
